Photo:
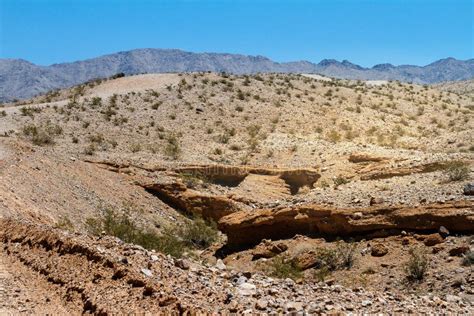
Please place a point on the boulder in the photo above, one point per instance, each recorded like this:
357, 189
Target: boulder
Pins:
307, 260
458, 251
443, 231
247, 289
182, 264
433, 239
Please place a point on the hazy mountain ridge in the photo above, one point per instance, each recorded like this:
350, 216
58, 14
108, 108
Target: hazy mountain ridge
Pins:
22, 79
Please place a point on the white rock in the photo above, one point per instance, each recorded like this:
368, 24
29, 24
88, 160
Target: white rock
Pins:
247, 289
220, 265
147, 272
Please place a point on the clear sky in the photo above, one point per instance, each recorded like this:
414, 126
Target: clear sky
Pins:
366, 32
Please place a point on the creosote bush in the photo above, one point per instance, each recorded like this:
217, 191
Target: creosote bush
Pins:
172, 148
342, 257
43, 134
282, 267
417, 265
195, 234
468, 259
457, 171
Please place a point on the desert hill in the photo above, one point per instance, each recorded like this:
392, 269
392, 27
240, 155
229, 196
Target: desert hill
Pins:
212, 192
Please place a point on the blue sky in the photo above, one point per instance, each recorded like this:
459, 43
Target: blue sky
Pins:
366, 32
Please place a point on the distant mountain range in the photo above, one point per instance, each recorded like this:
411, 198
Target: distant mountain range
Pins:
22, 79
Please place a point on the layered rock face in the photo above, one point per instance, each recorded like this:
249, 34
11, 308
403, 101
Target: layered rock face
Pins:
233, 175
193, 202
250, 227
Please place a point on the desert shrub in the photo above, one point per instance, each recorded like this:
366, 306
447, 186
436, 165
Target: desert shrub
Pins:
156, 105
123, 227
172, 148
334, 136
417, 265
43, 134
346, 254
3, 113
29, 111
341, 257
195, 234
108, 113
328, 259
90, 149
192, 180
340, 181
281, 267
456, 171
96, 101
135, 147
468, 259
64, 223
199, 233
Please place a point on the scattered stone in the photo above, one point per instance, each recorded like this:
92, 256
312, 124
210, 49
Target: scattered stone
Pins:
147, 272
366, 303
247, 289
182, 264
378, 250
433, 239
458, 281
268, 249
307, 260
376, 200
405, 241
220, 265
294, 306
357, 215
452, 298
261, 304
458, 251
443, 231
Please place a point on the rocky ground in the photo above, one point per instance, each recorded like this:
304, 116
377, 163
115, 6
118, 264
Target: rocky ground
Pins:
323, 192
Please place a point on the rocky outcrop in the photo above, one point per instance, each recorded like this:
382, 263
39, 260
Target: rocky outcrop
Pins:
381, 171
178, 196
366, 157
248, 228
268, 249
234, 175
